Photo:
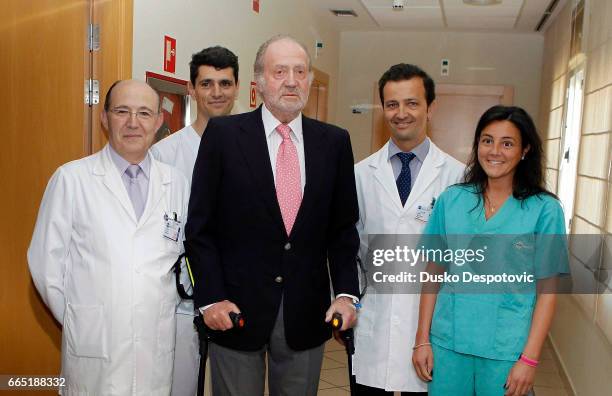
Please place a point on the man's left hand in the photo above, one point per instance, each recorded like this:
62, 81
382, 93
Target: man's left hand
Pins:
344, 306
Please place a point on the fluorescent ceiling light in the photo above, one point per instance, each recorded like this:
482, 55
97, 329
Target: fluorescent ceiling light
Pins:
344, 13
482, 2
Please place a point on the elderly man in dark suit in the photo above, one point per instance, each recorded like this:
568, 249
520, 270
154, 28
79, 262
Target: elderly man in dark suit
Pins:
271, 219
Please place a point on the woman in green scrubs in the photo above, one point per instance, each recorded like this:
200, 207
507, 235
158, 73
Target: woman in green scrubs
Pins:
483, 338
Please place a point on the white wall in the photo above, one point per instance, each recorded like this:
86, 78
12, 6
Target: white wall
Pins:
516, 60
197, 24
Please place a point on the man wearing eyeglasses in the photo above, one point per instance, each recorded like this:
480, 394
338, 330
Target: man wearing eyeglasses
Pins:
214, 86
108, 232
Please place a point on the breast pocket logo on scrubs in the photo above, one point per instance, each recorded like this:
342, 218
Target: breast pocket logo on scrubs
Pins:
521, 245
172, 227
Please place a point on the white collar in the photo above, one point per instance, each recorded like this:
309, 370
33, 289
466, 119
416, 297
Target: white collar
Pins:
122, 164
270, 123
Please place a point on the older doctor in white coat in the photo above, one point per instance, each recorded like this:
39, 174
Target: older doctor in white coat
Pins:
108, 232
407, 172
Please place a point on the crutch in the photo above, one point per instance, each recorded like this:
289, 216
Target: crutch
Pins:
238, 323
236, 318
349, 345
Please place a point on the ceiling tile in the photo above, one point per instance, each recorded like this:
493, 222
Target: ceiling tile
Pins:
510, 15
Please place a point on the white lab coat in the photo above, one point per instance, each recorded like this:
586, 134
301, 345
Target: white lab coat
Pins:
180, 150
107, 278
385, 331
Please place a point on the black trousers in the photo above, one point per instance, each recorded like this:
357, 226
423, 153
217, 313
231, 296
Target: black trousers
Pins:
364, 390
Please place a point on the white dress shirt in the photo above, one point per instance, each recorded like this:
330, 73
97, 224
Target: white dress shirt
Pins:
274, 140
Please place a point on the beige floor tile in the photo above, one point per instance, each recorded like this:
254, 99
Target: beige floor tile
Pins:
337, 377
329, 363
543, 391
333, 392
333, 345
338, 356
325, 385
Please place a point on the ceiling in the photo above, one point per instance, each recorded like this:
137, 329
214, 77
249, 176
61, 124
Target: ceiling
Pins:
453, 15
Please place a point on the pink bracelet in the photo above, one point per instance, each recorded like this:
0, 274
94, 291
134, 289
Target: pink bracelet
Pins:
528, 362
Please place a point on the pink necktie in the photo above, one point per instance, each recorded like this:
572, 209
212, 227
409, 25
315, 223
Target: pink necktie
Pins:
288, 179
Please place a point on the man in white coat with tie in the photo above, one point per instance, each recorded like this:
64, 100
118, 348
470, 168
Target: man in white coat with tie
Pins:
396, 188
108, 232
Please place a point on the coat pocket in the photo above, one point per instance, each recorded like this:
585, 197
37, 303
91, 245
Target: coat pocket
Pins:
442, 322
166, 330
85, 329
367, 316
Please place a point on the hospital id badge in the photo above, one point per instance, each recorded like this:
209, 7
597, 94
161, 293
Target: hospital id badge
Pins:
423, 213
172, 229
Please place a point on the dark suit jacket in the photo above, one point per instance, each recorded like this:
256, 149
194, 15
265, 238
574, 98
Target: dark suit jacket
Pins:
237, 244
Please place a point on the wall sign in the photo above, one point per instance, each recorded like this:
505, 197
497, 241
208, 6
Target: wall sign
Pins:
253, 95
169, 54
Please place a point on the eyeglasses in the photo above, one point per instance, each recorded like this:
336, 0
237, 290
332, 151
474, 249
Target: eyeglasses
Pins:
142, 115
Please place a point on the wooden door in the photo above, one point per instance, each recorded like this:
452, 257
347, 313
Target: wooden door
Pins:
316, 107
44, 64
456, 112
113, 61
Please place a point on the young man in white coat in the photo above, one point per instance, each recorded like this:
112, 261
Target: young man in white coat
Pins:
108, 232
214, 86
396, 189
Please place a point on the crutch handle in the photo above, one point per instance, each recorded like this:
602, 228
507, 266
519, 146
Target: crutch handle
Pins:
336, 321
237, 320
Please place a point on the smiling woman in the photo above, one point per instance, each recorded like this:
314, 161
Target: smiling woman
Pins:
503, 194
500, 149
506, 143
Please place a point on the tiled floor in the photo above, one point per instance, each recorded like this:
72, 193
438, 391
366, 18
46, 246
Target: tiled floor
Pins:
334, 373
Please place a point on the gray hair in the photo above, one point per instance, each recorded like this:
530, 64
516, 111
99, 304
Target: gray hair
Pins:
258, 66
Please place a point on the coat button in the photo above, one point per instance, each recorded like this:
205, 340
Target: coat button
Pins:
287, 246
278, 279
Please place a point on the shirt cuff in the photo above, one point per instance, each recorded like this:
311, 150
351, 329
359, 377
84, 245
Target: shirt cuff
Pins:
355, 299
204, 308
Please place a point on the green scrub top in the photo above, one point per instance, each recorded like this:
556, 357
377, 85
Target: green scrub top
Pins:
524, 237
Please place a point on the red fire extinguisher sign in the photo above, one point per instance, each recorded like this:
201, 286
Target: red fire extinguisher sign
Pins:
169, 54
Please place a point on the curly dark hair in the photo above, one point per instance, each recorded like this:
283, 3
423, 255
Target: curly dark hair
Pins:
529, 176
